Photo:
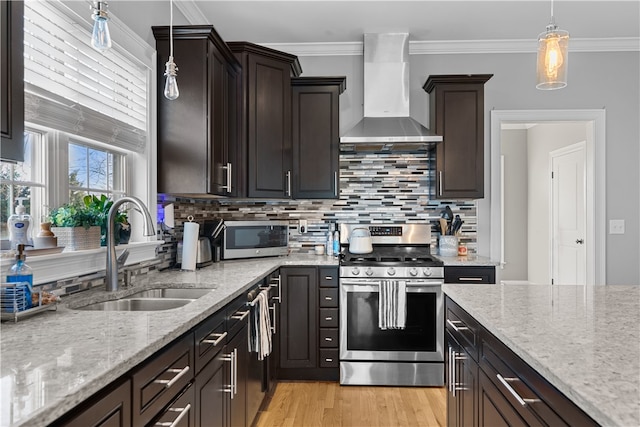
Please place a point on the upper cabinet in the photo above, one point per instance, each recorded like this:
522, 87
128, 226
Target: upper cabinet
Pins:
316, 137
266, 118
198, 132
456, 108
12, 80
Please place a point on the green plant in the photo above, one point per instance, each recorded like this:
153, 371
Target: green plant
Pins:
69, 215
101, 205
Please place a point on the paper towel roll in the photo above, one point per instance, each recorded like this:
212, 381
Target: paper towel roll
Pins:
190, 245
169, 220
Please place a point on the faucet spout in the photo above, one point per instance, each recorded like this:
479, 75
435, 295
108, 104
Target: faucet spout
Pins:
111, 279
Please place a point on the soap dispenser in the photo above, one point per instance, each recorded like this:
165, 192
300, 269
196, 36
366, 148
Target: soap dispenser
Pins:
19, 225
20, 273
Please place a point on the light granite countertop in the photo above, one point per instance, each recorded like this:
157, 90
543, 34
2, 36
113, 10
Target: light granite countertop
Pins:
583, 340
51, 362
468, 260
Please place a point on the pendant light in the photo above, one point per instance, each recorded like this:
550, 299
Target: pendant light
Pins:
100, 37
171, 91
553, 58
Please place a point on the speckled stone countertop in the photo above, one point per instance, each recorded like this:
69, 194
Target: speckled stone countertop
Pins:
469, 260
51, 362
583, 340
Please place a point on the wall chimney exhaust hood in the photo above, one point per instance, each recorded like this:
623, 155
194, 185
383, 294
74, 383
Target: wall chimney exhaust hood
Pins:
387, 125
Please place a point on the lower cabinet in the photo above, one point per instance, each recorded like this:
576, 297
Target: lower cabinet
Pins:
489, 385
309, 319
470, 274
110, 408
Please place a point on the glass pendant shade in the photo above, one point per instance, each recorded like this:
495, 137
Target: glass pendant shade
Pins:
553, 58
100, 38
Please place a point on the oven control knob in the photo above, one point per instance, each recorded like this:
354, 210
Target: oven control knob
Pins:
355, 271
427, 272
369, 272
391, 271
413, 272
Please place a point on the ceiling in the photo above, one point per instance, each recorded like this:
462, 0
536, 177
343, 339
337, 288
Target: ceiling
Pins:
427, 20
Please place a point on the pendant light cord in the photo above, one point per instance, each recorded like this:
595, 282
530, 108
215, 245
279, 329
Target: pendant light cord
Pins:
171, 28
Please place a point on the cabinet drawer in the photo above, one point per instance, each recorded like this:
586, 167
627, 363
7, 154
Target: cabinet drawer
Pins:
328, 317
328, 277
237, 315
329, 358
161, 378
478, 275
329, 338
462, 327
329, 297
210, 337
180, 412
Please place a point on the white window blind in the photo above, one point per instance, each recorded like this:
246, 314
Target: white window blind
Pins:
72, 87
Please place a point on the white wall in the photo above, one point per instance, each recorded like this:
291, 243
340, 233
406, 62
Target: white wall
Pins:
516, 233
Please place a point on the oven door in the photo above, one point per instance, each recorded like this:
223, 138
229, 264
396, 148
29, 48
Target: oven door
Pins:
361, 339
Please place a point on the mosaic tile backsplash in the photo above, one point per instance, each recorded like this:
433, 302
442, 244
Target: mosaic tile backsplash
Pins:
389, 188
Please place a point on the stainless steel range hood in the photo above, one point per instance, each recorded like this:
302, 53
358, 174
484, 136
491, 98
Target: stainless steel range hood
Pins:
387, 124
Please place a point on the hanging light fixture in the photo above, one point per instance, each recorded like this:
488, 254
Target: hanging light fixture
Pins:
171, 91
100, 37
553, 59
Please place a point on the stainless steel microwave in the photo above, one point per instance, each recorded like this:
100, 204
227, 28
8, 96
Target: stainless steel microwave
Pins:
250, 239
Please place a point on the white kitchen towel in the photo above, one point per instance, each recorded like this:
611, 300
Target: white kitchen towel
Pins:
260, 326
392, 304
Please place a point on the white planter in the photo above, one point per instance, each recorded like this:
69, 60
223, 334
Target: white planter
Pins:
77, 238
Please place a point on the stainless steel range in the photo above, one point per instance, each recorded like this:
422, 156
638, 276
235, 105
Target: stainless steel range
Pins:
406, 355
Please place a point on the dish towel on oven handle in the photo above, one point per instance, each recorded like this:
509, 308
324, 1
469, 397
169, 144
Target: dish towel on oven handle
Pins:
260, 326
392, 304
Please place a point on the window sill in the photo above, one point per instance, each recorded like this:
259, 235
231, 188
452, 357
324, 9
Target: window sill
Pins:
49, 268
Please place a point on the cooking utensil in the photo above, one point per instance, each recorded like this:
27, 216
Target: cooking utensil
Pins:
443, 226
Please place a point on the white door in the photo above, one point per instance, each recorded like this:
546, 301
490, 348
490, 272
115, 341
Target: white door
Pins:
568, 244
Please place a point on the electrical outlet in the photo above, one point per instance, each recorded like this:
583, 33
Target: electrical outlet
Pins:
302, 226
616, 226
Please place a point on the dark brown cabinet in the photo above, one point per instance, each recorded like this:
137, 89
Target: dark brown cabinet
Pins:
470, 274
456, 107
12, 81
110, 408
488, 384
198, 131
266, 118
316, 137
309, 319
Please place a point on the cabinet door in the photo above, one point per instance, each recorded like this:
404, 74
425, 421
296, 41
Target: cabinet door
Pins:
494, 408
298, 326
180, 412
238, 379
110, 410
12, 81
457, 113
316, 139
212, 393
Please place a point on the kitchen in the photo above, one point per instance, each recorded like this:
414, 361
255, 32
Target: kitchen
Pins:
512, 74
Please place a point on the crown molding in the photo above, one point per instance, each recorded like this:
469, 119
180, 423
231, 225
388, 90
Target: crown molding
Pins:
445, 47
192, 12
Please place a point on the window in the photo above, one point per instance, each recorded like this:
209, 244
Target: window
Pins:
94, 171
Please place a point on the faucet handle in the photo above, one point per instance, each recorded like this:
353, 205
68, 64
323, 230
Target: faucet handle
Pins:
122, 258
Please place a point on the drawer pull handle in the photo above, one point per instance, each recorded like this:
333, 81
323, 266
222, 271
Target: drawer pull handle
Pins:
217, 338
183, 411
328, 339
240, 315
505, 383
328, 360
470, 279
168, 383
328, 277
273, 308
328, 318
328, 299
455, 327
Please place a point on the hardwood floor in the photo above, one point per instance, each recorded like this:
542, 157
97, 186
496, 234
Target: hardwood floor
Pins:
303, 404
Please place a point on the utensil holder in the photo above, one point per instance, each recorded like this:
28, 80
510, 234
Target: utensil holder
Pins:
448, 245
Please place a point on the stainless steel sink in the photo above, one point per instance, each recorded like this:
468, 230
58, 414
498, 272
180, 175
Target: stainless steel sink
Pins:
175, 293
137, 304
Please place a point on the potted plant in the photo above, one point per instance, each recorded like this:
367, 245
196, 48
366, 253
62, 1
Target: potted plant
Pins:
77, 227
101, 206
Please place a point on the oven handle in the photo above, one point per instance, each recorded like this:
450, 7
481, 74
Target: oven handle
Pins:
355, 283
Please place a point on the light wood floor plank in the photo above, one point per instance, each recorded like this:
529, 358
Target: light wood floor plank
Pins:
327, 404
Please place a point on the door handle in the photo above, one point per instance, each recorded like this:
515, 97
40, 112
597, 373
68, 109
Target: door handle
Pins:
180, 373
335, 184
288, 183
217, 338
580, 241
440, 183
227, 168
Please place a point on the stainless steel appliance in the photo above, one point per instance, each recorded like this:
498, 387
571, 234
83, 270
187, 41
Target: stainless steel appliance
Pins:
248, 239
410, 356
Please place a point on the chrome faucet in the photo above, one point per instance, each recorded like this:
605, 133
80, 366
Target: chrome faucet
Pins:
111, 279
